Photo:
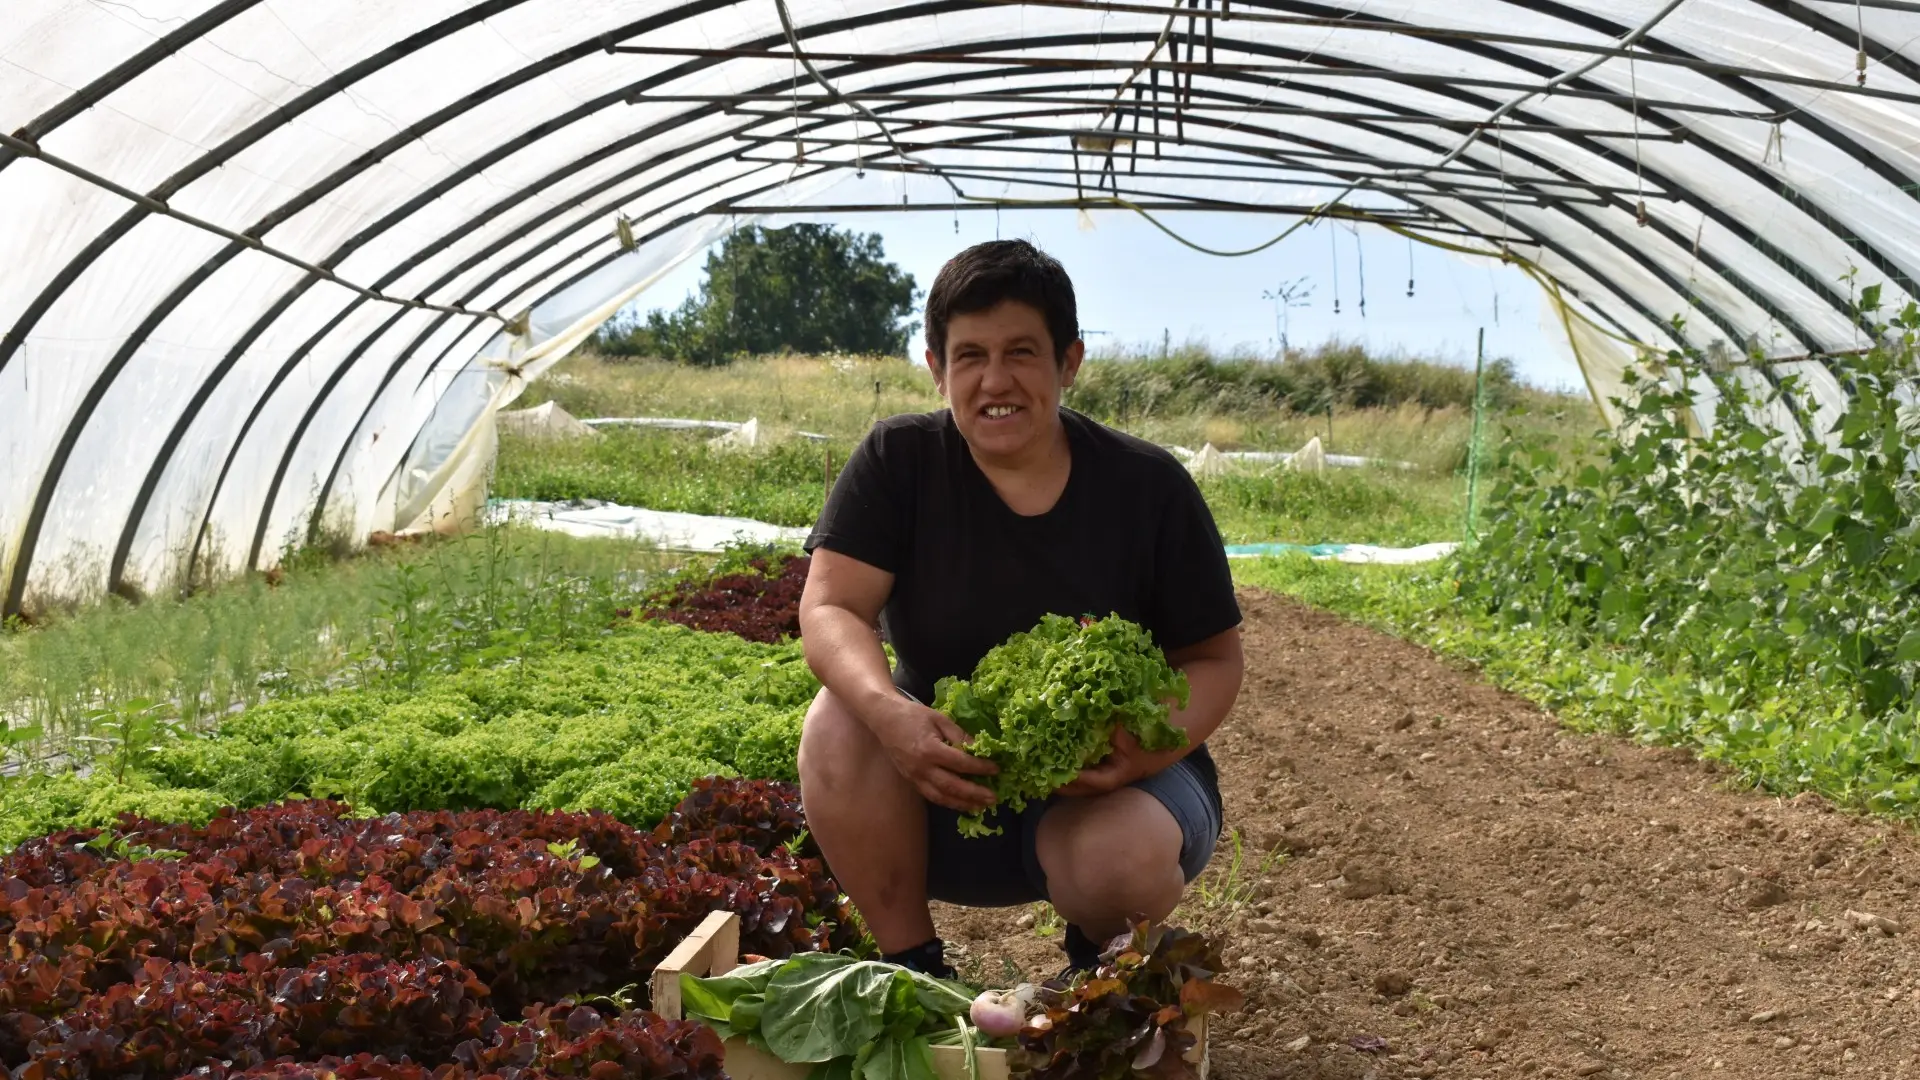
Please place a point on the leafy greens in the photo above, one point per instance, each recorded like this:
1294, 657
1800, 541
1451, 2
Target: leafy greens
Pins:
853, 1019
1135, 1019
1043, 704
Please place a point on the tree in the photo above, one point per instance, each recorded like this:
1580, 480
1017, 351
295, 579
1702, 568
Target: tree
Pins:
808, 288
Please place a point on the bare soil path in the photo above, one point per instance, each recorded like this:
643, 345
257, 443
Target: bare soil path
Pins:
1470, 890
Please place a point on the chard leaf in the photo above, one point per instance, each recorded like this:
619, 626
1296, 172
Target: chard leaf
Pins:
746, 1012
819, 1007
714, 998
896, 1059
822, 1006
840, 1068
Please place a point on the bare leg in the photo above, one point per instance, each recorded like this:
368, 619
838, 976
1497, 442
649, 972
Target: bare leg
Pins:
870, 822
1111, 857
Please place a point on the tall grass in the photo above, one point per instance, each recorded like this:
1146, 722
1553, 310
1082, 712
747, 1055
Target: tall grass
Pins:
784, 483
1360, 506
491, 597
830, 396
1409, 410
787, 484
1403, 411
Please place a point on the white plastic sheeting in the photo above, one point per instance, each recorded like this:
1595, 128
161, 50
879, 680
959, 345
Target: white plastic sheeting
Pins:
270, 266
665, 529
1357, 554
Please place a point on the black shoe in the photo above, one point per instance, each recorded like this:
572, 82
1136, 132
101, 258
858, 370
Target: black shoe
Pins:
927, 958
1083, 954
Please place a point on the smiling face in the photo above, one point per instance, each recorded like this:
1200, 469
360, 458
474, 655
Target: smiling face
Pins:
1003, 382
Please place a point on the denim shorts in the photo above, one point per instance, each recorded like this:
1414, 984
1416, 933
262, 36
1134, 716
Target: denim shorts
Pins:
1004, 870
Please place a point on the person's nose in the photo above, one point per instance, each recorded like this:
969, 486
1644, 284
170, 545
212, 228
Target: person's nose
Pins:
998, 377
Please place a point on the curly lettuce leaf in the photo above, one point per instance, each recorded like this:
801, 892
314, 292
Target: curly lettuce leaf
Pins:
1043, 705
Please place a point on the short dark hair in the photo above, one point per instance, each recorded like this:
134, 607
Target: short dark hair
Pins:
986, 274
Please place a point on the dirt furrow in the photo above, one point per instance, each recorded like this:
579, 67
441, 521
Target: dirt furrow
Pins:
1470, 890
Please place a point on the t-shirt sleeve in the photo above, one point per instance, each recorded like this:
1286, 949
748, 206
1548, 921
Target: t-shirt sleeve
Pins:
1192, 597
867, 516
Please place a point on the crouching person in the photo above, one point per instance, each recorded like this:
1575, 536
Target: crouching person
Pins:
949, 532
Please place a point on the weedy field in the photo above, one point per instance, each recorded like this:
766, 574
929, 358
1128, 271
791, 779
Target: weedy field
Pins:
1411, 412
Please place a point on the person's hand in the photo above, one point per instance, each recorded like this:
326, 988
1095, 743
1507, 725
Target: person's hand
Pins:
926, 747
1128, 761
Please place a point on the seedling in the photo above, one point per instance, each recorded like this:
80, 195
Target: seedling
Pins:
569, 852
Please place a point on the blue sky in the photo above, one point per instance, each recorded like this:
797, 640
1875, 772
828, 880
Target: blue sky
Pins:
1135, 284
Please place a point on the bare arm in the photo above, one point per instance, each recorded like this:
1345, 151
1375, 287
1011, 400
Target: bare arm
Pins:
839, 614
839, 621
1214, 669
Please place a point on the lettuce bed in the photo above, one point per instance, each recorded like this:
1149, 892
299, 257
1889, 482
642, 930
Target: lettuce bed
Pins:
296, 934
623, 725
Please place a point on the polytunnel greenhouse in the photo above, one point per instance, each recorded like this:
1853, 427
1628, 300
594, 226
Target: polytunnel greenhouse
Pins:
267, 269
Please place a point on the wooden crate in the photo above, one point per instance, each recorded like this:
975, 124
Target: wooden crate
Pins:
714, 949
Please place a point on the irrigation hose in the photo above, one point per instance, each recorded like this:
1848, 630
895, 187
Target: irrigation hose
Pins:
1323, 210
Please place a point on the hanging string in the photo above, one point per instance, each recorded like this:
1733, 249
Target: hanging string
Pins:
1333, 242
1860, 58
1360, 253
1506, 251
799, 145
1409, 267
1639, 175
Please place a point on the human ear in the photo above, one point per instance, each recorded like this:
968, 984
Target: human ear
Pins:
939, 371
1076, 352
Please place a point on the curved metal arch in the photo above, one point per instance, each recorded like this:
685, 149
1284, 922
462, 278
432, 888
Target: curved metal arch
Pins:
405, 355
1682, 194
1598, 277
1572, 259
338, 460
757, 122
473, 15
1805, 117
1560, 169
238, 143
1827, 26
130, 530
1595, 275
78, 102
1759, 297
1699, 138
50, 478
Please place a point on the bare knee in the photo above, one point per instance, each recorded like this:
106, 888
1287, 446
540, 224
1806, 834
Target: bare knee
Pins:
1110, 858
836, 749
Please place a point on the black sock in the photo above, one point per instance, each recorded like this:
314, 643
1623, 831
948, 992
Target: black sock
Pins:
1083, 954
927, 958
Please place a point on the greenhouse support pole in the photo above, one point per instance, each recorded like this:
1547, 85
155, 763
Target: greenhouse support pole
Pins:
1473, 440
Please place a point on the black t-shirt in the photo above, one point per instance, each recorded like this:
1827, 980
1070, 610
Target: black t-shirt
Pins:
1130, 535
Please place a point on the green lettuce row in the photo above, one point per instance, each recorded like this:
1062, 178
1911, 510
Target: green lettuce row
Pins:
623, 725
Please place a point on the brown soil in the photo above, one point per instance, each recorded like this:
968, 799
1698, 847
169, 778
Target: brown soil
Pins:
1495, 896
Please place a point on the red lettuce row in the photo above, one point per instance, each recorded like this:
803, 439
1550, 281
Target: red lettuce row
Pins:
457, 916
561, 1041
762, 604
762, 814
